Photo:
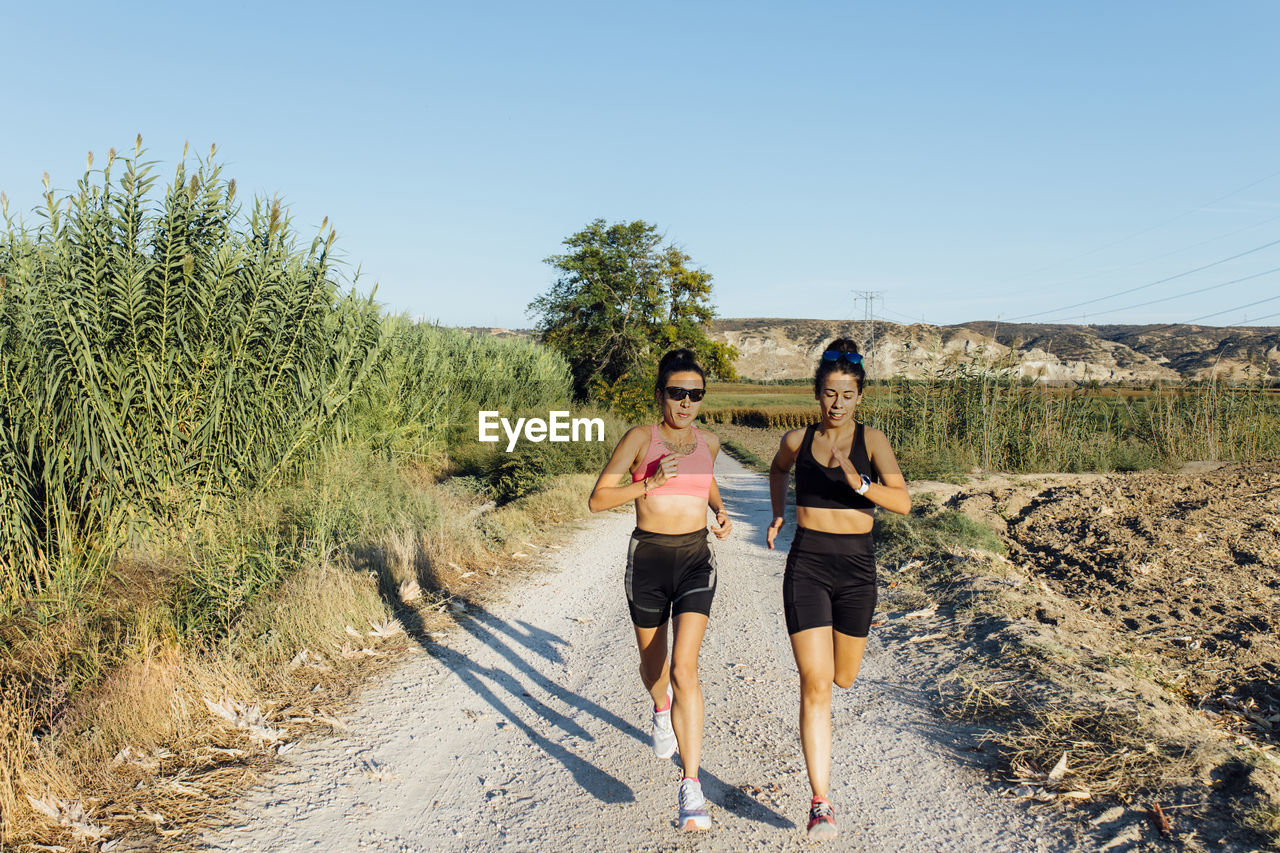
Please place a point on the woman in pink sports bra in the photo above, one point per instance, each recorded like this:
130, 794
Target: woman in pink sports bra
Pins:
671, 573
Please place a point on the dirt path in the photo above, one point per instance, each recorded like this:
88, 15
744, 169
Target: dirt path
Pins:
527, 730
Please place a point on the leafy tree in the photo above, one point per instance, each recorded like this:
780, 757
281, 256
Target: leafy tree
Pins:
621, 300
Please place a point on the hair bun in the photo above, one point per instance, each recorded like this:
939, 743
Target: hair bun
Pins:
677, 361
682, 354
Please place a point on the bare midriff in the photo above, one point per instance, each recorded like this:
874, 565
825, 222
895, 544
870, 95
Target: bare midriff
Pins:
673, 514
826, 520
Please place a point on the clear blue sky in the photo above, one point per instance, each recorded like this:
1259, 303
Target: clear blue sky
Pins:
969, 160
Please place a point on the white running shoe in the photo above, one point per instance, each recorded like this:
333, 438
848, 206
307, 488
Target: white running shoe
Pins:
664, 736
693, 806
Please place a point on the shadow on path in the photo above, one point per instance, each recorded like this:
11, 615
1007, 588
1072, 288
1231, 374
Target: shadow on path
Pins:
487, 682
504, 692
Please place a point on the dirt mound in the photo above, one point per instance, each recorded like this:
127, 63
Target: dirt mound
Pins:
1132, 626
1186, 567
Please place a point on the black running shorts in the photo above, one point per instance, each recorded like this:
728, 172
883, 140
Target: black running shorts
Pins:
830, 580
668, 575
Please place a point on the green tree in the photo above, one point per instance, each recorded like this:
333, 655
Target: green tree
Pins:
620, 301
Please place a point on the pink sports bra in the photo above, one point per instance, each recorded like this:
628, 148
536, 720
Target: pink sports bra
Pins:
694, 477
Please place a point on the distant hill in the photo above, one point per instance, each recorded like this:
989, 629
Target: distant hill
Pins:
772, 348
497, 332
778, 348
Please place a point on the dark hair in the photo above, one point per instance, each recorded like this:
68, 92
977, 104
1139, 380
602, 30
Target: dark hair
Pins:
840, 365
676, 361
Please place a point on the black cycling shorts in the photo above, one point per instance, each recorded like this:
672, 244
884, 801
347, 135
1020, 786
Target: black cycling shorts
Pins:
830, 580
669, 574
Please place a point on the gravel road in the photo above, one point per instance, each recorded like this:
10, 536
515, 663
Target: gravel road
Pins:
526, 729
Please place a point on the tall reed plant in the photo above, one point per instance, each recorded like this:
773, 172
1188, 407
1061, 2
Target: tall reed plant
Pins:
157, 355
434, 381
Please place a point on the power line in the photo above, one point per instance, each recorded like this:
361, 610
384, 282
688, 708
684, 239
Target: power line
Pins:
1187, 293
1229, 310
1140, 232
1263, 317
1161, 256
869, 298
1145, 286
900, 315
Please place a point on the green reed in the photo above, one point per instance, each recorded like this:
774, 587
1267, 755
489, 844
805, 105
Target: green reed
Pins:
973, 413
434, 381
157, 356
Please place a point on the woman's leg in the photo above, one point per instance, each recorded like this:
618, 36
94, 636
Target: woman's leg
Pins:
815, 658
653, 662
686, 710
847, 652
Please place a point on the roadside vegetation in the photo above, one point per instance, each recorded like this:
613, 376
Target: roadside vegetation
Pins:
222, 474
968, 417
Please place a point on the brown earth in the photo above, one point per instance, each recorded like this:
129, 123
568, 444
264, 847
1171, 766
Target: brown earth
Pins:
1185, 567
1143, 619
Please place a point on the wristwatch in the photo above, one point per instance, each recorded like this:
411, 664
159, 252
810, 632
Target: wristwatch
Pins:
866, 484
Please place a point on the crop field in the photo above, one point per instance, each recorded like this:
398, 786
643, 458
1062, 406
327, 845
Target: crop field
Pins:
971, 419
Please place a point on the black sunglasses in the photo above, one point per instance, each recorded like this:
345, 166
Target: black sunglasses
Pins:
675, 392
851, 357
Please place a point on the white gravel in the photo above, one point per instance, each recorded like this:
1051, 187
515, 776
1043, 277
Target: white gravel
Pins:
526, 729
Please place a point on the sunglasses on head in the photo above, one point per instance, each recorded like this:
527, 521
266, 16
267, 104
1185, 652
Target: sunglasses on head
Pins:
851, 357
675, 392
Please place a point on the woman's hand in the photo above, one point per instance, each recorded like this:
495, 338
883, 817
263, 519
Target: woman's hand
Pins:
773, 531
723, 524
851, 474
668, 467
842, 459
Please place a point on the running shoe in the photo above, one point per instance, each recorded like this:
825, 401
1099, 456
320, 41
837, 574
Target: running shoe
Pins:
664, 737
693, 806
822, 820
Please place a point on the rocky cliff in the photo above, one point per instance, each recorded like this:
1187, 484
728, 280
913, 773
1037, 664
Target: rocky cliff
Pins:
788, 349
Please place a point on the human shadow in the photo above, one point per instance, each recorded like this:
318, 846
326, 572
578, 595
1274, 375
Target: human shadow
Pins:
487, 682
484, 626
737, 803
505, 693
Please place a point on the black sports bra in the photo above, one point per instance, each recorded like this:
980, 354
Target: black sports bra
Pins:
827, 488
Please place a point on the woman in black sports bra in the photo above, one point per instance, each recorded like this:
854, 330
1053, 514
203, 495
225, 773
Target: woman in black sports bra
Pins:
844, 470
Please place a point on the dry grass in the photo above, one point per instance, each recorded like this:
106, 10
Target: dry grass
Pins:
1266, 819
973, 693
1044, 681
1111, 753
141, 750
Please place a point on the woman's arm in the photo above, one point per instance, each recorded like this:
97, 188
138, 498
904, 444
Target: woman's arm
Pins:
607, 494
783, 460
891, 492
714, 502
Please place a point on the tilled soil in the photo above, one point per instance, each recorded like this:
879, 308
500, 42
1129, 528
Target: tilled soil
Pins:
1184, 567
